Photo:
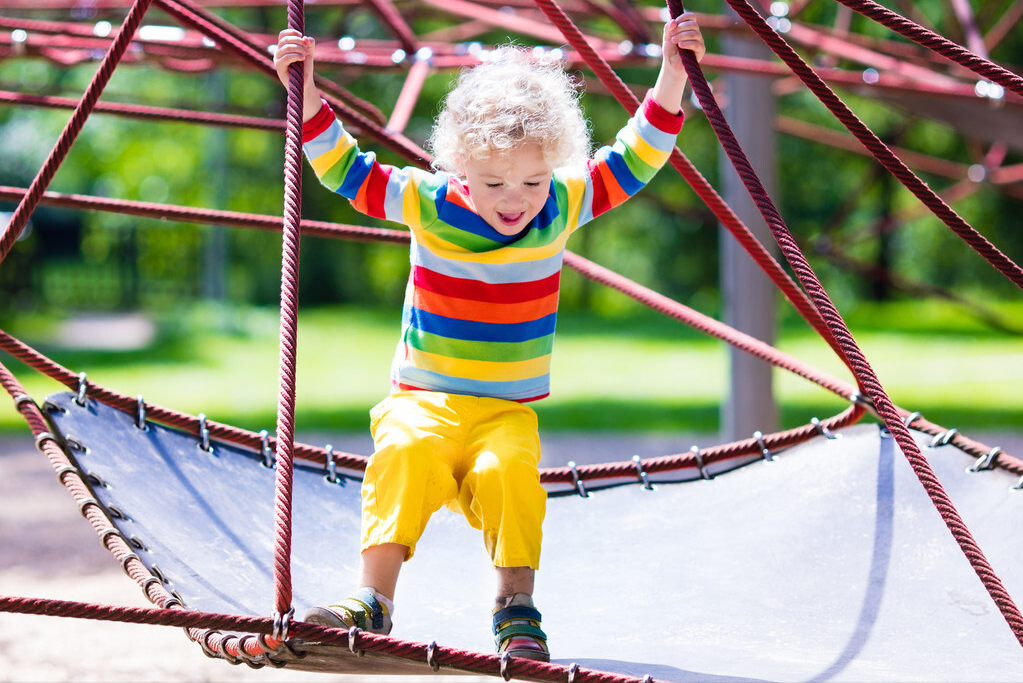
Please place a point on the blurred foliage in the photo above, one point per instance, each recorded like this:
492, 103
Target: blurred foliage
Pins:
663, 238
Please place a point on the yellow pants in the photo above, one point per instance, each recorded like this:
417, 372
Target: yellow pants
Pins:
479, 456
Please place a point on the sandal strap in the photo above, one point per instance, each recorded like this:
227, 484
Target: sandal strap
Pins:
515, 612
521, 629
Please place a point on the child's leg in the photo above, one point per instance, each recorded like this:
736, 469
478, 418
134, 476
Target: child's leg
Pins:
516, 620
379, 566
512, 580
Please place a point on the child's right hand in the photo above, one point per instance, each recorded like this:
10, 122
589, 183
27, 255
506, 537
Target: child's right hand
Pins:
292, 47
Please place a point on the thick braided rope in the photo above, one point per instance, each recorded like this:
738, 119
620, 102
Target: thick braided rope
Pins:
202, 21
855, 358
685, 168
147, 112
73, 127
881, 151
160, 414
244, 649
932, 41
289, 322
240, 43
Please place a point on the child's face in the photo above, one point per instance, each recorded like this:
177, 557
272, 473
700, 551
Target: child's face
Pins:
510, 188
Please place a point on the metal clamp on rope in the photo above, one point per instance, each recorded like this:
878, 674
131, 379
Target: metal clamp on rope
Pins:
643, 479
911, 418
1018, 486
822, 429
985, 462
704, 472
577, 481
331, 467
353, 636
431, 656
861, 399
764, 450
505, 666
204, 434
82, 383
140, 414
264, 449
573, 669
943, 439
22, 399
42, 438
282, 624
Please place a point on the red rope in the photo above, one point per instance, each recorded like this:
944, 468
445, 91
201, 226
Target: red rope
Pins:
73, 127
855, 359
932, 41
880, 150
289, 324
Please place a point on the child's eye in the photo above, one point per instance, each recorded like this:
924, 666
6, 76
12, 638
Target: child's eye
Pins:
532, 184
493, 185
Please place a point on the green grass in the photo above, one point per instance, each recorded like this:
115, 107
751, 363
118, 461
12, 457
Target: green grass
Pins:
642, 373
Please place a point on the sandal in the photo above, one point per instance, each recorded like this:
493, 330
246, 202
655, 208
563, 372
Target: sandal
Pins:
517, 630
362, 610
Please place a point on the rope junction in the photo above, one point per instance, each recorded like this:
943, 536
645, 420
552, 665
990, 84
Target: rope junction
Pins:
270, 640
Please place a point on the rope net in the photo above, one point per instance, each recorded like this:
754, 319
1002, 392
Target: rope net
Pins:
805, 291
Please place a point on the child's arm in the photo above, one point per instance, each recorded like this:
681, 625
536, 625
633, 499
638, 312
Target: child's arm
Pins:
683, 33
291, 48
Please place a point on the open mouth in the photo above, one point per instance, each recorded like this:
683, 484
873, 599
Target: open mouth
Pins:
510, 218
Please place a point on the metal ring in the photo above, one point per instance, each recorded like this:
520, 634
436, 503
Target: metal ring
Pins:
204, 434
353, 636
1018, 486
573, 669
150, 581
75, 444
943, 439
431, 656
171, 601
822, 429
82, 382
282, 624
648, 679
264, 449
763, 446
65, 469
505, 668
51, 407
642, 475
269, 652
42, 438
863, 400
206, 649
85, 502
577, 481
112, 531
140, 414
21, 399
911, 418
252, 661
985, 462
704, 473
331, 466
126, 559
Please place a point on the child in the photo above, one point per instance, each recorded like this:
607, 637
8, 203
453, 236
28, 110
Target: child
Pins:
489, 229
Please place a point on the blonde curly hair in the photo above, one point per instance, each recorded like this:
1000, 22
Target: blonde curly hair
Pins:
511, 98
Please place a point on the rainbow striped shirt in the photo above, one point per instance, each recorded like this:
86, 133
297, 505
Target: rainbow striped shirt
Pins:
480, 307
